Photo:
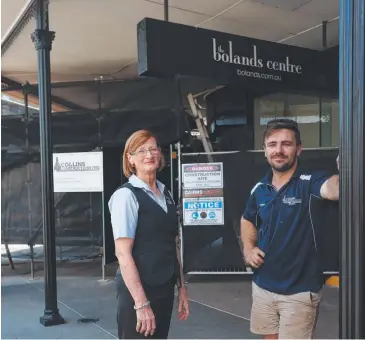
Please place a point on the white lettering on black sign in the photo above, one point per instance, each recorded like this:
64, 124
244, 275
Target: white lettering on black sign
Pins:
229, 57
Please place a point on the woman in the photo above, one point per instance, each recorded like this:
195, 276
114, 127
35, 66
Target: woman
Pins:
145, 228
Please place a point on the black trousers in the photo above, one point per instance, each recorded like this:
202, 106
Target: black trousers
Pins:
162, 301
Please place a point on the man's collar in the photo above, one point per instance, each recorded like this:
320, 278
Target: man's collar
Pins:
138, 183
268, 177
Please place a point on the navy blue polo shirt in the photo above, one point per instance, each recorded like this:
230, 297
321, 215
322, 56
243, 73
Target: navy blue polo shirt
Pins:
286, 234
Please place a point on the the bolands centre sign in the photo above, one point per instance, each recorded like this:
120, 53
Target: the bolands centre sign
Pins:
166, 49
219, 54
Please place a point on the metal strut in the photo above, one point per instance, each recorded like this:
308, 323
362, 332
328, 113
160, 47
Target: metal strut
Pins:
199, 120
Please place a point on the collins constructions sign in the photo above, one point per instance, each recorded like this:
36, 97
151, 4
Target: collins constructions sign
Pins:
78, 172
166, 49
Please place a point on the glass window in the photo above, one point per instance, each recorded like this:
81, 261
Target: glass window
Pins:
317, 118
330, 127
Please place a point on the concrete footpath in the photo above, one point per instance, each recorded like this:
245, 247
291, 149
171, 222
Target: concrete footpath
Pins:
220, 306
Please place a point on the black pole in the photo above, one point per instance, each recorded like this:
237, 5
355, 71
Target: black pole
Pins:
166, 10
352, 169
324, 45
324, 34
42, 38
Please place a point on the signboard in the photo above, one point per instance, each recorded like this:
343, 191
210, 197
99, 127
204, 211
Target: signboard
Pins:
78, 172
196, 193
209, 210
166, 49
203, 202
197, 176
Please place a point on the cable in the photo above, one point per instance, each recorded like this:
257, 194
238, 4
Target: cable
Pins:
220, 13
306, 30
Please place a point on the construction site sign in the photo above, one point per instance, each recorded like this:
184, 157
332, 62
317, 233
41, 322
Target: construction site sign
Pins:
206, 175
203, 202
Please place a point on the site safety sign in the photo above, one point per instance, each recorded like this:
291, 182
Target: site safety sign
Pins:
203, 211
197, 176
203, 202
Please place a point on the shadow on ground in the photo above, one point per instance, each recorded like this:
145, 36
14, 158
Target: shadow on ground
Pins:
220, 307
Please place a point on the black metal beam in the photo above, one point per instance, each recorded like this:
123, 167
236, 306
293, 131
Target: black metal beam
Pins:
11, 84
15, 86
352, 169
42, 38
33, 90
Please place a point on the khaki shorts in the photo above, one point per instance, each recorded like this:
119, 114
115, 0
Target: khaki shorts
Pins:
290, 316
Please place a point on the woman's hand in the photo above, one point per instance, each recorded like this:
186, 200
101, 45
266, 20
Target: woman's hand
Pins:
183, 304
146, 323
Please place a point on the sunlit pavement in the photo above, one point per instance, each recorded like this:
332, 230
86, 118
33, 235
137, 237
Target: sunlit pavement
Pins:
220, 306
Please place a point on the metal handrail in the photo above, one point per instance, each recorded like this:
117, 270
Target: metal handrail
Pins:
304, 149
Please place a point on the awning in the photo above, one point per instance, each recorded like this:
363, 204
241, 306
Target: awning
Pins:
97, 38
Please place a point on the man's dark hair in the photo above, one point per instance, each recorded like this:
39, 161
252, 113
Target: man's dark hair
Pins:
282, 123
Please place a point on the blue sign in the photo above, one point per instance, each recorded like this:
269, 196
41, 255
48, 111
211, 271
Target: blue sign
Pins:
203, 205
203, 211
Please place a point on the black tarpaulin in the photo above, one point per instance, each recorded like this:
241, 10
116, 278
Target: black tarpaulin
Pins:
108, 113
215, 248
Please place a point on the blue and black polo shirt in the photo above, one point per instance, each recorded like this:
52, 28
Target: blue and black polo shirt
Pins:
286, 233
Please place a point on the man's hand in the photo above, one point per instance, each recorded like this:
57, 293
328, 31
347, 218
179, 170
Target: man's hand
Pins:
183, 304
255, 257
146, 323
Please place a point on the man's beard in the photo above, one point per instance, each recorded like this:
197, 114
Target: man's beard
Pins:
285, 167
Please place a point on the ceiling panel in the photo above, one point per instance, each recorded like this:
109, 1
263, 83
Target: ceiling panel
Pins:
326, 9
207, 7
313, 38
186, 18
288, 5
113, 35
244, 29
21, 55
13, 8
89, 44
261, 17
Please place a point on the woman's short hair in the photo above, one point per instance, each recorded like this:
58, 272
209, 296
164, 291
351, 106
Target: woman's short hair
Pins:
136, 140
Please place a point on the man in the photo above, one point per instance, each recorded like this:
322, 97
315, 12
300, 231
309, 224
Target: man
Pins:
279, 238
